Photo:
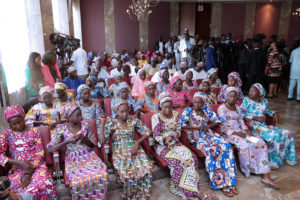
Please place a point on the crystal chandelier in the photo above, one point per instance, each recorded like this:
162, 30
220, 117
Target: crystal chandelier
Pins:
297, 12
141, 8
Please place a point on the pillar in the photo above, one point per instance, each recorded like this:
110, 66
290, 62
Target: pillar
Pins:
109, 22
174, 29
216, 18
249, 20
143, 33
284, 22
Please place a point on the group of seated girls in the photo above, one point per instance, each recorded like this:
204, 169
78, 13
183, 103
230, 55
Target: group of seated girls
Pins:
260, 147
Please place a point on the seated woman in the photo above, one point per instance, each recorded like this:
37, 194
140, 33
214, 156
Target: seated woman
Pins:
60, 95
281, 145
219, 158
119, 78
85, 170
208, 96
189, 83
139, 82
234, 80
96, 92
130, 161
215, 82
253, 155
46, 112
29, 174
90, 108
149, 101
181, 98
183, 164
163, 85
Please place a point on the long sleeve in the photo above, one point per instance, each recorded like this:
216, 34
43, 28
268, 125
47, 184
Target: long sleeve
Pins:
212, 115
57, 136
39, 150
157, 129
108, 129
268, 111
99, 112
3, 147
185, 117
225, 126
90, 134
31, 115
141, 128
245, 109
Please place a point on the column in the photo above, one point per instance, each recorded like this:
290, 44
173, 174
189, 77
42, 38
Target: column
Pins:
174, 29
216, 16
284, 22
77, 20
60, 16
249, 21
143, 33
109, 21
47, 22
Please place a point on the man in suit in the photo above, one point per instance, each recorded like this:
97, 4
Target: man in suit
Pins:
242, 61
211, 55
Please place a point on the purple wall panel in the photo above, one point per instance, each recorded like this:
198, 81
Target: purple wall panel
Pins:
294, 26
159, 23
267, 18
92, 23
233, 18
126, 30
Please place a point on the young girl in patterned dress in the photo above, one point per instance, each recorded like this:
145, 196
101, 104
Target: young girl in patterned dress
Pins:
85, 170
133, 167
181, 98
29, 175
209, 98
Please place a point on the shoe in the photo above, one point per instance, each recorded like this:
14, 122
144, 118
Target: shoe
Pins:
290, 99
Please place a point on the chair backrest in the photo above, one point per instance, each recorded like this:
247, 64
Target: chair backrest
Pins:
193, 92
215, 107
73, 91
146, 119
107, 107
216, 91
150, 77
46, 138
110, 81
198, 82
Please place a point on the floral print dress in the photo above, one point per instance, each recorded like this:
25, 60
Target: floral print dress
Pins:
253, 155
135, 172
183, 164
162, 87
208, 99
85, 170
148, 104
219, 158
180, 98
27, 146
281, 144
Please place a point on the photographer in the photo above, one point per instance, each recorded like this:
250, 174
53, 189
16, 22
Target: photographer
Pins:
79, 60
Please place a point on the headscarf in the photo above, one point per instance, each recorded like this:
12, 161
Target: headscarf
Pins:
212, 71
147, 84
183, 65
121, 86
200, 64
90, 55
13, 111
45, 89
71, 69
118, 74
163, 65
67, 110
198, 95
80, 89
162, 71
93, 79
237, 78
173, 81
164, 97
189, 70
230, 89
205, 81
117, 103
60, 86
261, 89
138, 86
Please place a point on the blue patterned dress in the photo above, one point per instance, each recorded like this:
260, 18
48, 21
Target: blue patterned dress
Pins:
219, 161
161, 87
281, 145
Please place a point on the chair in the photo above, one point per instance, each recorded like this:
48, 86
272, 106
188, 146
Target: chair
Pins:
73, 91
198, 82
216, 91
110, 81
107, 107
150, 77
193, 92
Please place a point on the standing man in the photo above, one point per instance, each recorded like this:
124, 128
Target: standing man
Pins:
295, 72
243, 55
211, 55
185, 48
79, 60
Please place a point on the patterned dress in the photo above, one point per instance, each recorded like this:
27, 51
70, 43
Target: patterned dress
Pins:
85, 170
183, 164
217, 84
148, 104
133, 106
219, 158
180, 98
281, 145
253, 155
208, 99
27, 146
222, 97
162, 87
133, 171
40, 112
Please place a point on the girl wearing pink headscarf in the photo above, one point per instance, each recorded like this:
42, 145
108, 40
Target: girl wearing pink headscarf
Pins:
138, 88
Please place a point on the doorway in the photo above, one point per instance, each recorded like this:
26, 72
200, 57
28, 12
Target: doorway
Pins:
203, 19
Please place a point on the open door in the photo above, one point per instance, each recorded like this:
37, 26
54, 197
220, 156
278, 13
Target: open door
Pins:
203, 19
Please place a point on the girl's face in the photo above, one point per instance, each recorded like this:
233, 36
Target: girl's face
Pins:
232, 97
142, 75
119, 79
198, 104
124, 93
60, 93
89, 82
178, 85
231, 82
151, 90
167, 108
123, 112
38, 61
47, 98
17, 124
76, 117
205, 86
183, 70
189, 75
86, 94
165, 75
253, 93
215, 76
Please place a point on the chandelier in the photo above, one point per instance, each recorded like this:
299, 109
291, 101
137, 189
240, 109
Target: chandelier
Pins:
297, 12
141, 8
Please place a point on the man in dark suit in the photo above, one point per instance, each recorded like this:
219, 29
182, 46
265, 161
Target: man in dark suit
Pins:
211, 55
242, 60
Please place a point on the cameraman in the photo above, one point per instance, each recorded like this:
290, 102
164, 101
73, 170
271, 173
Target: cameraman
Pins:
79, 60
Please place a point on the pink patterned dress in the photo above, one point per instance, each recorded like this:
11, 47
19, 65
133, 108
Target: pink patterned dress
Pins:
27, 146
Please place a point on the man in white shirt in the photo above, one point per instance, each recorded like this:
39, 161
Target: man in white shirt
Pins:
182, 71
117, 69
79, 60
199, 72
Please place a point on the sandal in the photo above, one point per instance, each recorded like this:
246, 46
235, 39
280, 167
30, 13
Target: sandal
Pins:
208, 197
227, 192
234, 190
269, 184
270, 96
